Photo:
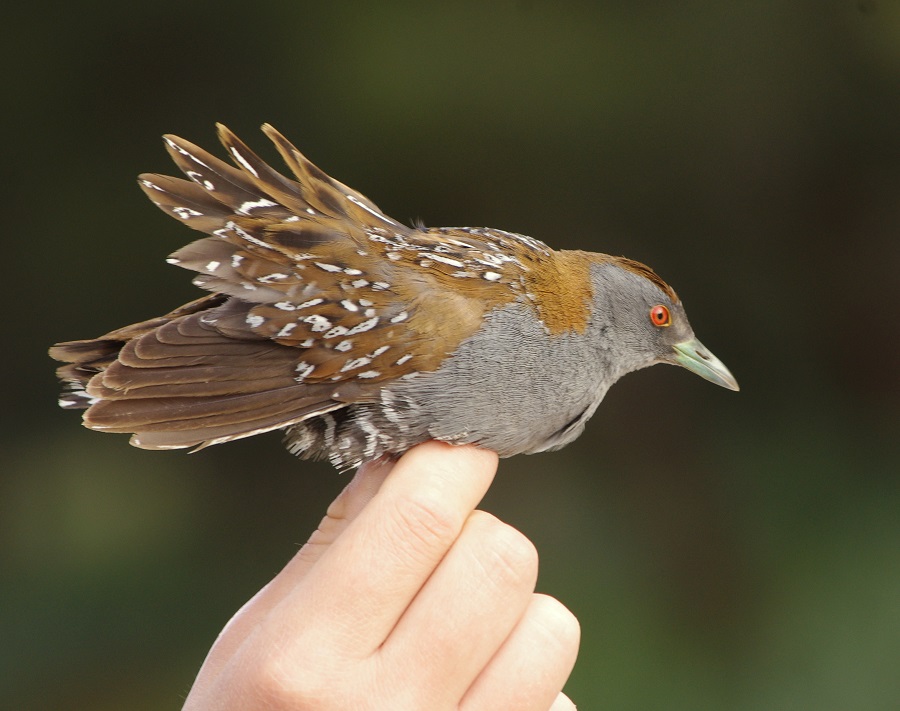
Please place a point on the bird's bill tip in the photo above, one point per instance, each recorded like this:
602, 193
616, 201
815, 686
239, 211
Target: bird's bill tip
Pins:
694, 356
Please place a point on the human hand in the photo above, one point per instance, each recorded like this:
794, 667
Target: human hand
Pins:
405, 598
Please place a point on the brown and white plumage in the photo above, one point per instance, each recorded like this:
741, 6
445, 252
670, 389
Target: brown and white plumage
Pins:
323, 305
320, 302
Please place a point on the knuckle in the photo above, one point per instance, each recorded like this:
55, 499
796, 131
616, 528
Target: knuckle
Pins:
276, 684
430, 522
557, 621
511, 555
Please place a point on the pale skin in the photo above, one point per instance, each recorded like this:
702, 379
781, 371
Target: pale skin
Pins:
405, 598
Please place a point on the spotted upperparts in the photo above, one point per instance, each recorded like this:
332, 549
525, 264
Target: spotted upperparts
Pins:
326, 316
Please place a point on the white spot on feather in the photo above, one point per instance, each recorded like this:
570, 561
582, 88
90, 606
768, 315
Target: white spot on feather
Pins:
447, 260
305, 373
335, 331
311, 302
367, 325
464, 245
243, 234
355, 363
317, 323
255, 321
357, 201
247, 207
185, 213
243, 161
199, 179
269, 278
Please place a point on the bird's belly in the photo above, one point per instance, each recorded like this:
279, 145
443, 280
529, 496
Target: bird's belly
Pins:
502, 390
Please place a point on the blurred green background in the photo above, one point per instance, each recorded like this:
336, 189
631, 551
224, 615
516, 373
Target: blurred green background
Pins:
722, 551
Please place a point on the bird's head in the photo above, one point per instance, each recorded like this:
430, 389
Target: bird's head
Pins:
642, 322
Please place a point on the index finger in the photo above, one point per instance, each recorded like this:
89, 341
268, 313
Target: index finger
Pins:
341, 512
363, 583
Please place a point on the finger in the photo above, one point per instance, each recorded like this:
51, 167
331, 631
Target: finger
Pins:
465, 612
346, 507
533, 664
364, 581
342, 511
563, 703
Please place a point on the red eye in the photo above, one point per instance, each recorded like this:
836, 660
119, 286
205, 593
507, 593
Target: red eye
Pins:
660, 316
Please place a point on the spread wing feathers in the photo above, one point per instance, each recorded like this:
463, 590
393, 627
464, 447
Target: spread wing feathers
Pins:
257, 204
322, 267
300, 250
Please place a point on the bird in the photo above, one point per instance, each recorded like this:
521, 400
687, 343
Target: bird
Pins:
359, 336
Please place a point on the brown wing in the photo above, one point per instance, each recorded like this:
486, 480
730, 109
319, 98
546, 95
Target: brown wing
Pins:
318, 298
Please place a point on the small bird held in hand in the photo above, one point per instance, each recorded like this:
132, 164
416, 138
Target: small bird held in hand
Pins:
361, 337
